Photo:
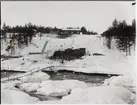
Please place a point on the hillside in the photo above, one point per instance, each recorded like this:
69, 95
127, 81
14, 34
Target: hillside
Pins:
113, 61
71, 81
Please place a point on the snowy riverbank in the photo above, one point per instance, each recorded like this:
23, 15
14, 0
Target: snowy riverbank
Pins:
34, 86
116, 90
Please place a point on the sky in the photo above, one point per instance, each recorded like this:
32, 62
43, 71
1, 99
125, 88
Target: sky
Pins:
95, 16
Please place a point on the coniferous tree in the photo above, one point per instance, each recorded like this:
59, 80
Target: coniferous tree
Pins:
83, 30
3, 34
123, 33
115, 23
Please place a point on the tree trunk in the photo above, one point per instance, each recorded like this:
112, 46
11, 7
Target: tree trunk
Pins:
126, 46
129, 48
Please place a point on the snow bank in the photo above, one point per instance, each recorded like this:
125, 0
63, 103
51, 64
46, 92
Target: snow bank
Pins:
127, 81
113, 62
100, 95
11, 63
29, 86
16, 97
9, 84
59, 88
27, 63
53, 88
35, 77
49, 102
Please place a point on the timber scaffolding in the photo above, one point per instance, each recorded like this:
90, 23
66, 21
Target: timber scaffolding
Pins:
42, 51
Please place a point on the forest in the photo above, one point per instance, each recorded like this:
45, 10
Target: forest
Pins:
123, 33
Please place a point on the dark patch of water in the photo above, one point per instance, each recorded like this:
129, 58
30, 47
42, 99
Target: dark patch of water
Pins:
64, 74
88, 78
6, 73
43, 97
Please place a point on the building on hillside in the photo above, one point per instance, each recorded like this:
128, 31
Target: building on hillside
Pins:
69, 31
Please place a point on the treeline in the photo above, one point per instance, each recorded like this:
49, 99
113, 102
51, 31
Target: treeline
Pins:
84, 31
123, 33
22, 35
38, 29
28, 27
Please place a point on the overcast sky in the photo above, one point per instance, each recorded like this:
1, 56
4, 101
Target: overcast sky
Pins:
96, 16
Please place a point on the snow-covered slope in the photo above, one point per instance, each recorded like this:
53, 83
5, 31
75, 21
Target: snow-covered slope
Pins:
16, 97
92, 43
116, 90
113, 61
60, 88
127, 81
97, 95
100, 95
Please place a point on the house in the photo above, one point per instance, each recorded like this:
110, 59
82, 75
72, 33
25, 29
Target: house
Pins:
69, 31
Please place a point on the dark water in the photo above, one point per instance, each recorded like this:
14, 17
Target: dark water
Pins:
64, 74
43, 97
6, 74
90, 79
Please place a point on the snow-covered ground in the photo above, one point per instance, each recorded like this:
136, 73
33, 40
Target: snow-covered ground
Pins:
115, 90
60, 87
114, 62
35, 77
16, 97
73, 91
100, 95
127, 81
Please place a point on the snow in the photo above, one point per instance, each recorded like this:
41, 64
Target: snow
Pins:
29, 86
60, 88
100, 95
27, 63
113, 61
11, 64
127, 81
116, 90
77, 29
35, 77
55, 43
9, 85
48, 102
97, 95
73, 92
16, 97
12, 95
53, 88
31, 76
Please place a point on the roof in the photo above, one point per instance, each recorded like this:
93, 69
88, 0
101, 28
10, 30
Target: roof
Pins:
72, 29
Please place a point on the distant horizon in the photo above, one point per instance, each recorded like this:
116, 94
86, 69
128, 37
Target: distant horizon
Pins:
96, 16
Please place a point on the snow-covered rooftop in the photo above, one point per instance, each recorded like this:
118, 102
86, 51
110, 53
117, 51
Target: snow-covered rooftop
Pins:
76, 29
